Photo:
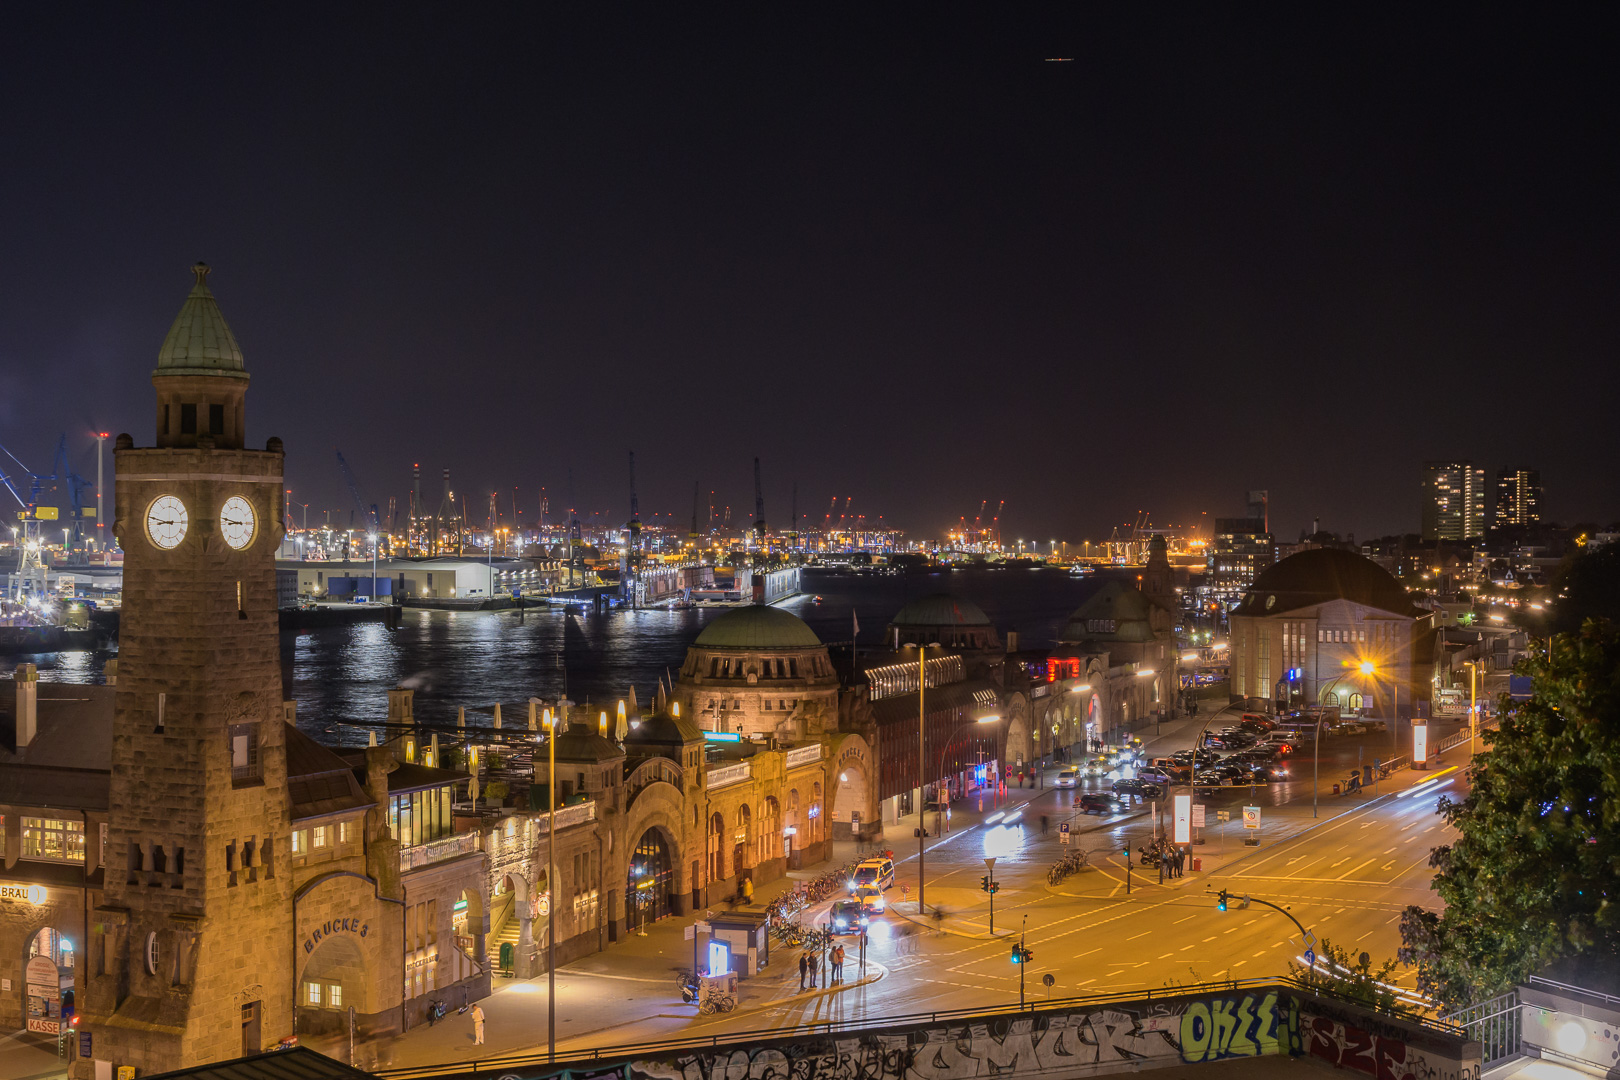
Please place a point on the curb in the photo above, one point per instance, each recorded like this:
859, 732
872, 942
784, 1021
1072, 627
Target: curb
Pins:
793, 999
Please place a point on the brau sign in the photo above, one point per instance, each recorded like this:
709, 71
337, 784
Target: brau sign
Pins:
24, 894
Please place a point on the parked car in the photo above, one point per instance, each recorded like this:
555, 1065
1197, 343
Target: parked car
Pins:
1067, 778
1203, 756
1347, 729
1142, 789
1096, 802
1154, 775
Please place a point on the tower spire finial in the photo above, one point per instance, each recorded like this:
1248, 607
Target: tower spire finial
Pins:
202, 270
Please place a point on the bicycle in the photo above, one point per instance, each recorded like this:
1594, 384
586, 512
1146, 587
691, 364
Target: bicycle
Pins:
717, 1001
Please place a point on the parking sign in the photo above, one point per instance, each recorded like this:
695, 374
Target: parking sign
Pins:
1063, 832
1251, 817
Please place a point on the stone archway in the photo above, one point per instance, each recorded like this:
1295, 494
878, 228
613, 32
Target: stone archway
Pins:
650, 884
855, 811
1018, 753
334, 980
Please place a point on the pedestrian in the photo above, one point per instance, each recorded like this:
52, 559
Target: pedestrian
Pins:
1178, 858
1043, 824
814, 958
748, 890
804, 965
837, 965
478, 1025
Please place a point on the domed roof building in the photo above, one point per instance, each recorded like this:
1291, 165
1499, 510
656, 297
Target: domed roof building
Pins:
944, 620
759, 671
1330, 627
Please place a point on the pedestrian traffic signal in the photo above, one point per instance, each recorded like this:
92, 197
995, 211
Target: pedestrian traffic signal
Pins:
1220, 903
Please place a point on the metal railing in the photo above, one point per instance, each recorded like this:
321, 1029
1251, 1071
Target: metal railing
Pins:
889, 1023
434, 850
1494, 1024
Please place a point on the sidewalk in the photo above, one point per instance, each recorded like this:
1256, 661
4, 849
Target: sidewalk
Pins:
28, 1057
603, 998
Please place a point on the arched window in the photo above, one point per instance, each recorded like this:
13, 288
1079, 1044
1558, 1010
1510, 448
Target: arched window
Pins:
1355, 701
770, 829
717, 863
1330, 698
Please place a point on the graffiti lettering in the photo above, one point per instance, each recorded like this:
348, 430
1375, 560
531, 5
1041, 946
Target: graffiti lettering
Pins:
1247, 1026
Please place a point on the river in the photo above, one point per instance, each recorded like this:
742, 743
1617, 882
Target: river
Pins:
474, 659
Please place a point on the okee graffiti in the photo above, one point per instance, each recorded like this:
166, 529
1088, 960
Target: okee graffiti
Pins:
1247, 1026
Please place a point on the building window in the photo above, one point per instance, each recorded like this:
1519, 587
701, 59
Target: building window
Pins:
216, 419
245, 765
334, 995
300, 843
317, 837
188, 419
312, 994
52, 839
345, 833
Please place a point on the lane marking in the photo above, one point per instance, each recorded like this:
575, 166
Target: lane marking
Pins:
1350, 871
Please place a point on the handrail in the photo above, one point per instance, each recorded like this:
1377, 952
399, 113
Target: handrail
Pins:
1538, 980
886, 1023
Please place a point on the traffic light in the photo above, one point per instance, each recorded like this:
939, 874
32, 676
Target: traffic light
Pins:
1021, 955
984, 883
995, 887
1220, 903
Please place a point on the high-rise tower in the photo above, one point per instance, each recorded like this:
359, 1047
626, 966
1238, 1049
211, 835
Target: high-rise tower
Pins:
1453, 500
189, 958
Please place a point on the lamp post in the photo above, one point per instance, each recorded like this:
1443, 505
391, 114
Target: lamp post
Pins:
551, 850
1473, 704
922, 758
1370, 670
987, 718
373, 538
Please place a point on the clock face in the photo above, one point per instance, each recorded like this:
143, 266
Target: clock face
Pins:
166, 521
237, 522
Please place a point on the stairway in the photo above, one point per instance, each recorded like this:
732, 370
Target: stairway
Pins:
508, 933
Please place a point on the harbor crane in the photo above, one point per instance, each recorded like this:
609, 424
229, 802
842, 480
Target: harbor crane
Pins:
759, 506
368, 518
697, 490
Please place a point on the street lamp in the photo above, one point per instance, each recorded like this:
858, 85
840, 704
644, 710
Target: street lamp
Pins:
551, 878
1370, 671
922, 759
373, 538
1473, 705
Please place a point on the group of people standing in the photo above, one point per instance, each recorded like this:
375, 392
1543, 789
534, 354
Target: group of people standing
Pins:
810, 963
1172, 862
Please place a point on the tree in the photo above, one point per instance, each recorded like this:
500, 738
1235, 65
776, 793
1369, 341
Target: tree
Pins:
1354, 978
1587, 586
1532, 879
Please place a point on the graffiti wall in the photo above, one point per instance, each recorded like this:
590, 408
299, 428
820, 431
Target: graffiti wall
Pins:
1067, 1042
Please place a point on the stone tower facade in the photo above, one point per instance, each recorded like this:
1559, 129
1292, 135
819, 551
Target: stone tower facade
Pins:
189, 959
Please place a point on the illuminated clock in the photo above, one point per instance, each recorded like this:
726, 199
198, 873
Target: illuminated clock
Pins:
237, 522
166, 521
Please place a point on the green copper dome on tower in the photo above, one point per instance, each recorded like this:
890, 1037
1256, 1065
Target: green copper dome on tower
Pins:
199, 342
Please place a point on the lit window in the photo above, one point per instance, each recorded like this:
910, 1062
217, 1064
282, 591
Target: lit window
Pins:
334, 995
319, 837
312, 993
54, 839
300, 843
345, 832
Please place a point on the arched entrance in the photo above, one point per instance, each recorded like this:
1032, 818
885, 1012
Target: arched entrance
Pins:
1017, 756
335, 978
48, 969
1094, 719
851, 797
651, 879
739, 841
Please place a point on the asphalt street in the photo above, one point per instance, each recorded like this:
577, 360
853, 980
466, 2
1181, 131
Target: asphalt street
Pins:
1346, 871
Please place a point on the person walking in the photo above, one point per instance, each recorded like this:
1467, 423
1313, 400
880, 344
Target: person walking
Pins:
804, 965
748, 891
478, 1025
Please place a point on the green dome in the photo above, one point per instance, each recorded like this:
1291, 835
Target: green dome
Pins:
758, 627
199, 342
941, 609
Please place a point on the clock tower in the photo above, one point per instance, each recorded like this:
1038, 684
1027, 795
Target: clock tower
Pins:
190, 958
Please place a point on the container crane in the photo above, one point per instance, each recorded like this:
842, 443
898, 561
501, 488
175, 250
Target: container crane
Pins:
368, 518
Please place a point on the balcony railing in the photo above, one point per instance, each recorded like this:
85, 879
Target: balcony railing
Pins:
568, 816
729, 774
437, 850
803, 755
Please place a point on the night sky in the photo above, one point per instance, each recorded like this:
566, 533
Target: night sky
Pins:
896, 254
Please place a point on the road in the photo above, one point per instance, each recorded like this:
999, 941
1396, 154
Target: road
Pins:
1346, 874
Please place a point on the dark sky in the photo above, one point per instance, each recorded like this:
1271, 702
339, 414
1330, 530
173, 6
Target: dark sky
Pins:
894, 253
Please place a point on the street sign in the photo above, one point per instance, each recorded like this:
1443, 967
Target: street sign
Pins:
1198, 815
1251, 817
1063, 833
1310, 958
990, 862
1223, 816
1310, 940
